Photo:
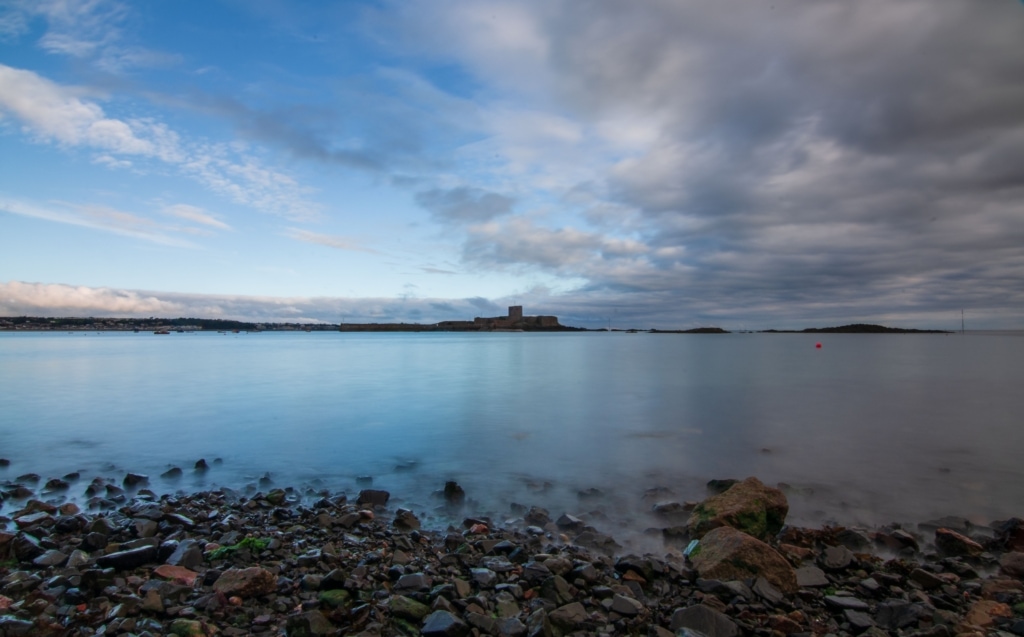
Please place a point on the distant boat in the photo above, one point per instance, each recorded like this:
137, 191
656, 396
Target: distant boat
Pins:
162, 332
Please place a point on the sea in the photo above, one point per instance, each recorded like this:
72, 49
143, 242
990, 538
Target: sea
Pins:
864, 430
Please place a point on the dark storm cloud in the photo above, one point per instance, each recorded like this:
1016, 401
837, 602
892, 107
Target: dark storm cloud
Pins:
832, 159
464, 204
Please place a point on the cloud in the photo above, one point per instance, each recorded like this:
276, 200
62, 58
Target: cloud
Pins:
98, 217
91, 30
19, 298
740, 159
41, 299
465, 204
64, 115
331, 241
195, 215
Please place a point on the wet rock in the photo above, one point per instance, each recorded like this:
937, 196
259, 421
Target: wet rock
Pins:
1010, 534
188, 554
538, 516
373, 497
845, 603
510, 627
127, 560
201, 465
568, 617
413, 582
52, 557
308, 624
983, 613
858, 619
25, 547
56, 484
716, 487
727, 554
408, 608
811, 577
704, 620
1012, 563
172, 473
134, 480
626, 606
928, 581
406, 520
12, 626
749, 506
442, 623
187, 628
454, 495
953, 544
836, 558
246, 582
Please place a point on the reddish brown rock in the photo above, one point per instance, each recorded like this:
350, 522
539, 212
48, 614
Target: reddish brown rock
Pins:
993, 587
177, 573
983, 613
1012, 563
727, 554
246, 582
749, 506
953, 544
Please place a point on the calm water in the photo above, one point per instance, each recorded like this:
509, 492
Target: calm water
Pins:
870, 428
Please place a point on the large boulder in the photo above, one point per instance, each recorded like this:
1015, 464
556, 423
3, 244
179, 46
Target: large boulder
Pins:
727, 554
748, 506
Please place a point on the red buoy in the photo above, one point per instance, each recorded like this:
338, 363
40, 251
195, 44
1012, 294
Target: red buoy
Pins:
817, 345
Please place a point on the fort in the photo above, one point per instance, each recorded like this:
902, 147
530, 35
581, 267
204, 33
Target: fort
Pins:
515, 321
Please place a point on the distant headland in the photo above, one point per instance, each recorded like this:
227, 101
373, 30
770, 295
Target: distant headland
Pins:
514, 321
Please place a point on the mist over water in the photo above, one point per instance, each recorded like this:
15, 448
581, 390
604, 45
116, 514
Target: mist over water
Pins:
867, 429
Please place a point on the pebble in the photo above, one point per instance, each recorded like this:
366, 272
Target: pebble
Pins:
274, 563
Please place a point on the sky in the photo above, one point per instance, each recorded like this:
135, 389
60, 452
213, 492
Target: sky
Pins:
671, 164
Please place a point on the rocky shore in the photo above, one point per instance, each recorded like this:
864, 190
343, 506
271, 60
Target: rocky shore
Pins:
281, 562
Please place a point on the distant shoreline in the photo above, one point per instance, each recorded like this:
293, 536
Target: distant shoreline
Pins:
92, 324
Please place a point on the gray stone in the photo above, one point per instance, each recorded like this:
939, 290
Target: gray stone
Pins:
705, 620
510, 627
50, 558
406, 520
373, 497
441, 623
403, 606
77, 559
898, 614
309, 623
568, 616
766, 591
413, 582
928, 581
126, 560
188, 554
859, 620
626, 606
836, 558
14, 627
538, 624
484, 577
845, 603
811, 577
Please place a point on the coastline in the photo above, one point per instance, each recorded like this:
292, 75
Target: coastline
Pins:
283, 561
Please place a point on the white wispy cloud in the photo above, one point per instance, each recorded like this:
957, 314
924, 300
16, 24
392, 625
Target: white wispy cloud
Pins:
329, 240
98, 217
71, 117
196, 215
